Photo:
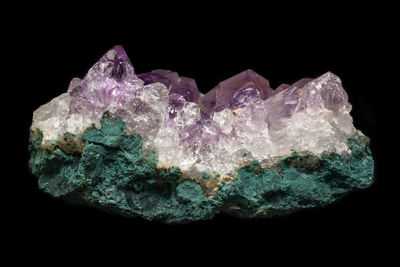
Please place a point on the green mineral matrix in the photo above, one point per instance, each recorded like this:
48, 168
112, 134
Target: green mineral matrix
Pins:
151, 145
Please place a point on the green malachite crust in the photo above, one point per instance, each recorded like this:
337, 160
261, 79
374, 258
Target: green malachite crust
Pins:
115, 173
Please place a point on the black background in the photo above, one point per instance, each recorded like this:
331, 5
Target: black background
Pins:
209, 45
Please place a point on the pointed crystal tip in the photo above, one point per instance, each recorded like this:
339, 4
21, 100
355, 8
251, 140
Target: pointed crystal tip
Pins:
236, 91
183, 86
113, 64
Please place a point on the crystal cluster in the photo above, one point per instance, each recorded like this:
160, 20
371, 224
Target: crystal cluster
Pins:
240, 121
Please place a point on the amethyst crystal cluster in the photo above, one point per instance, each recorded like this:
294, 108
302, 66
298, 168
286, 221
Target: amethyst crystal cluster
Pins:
209, 138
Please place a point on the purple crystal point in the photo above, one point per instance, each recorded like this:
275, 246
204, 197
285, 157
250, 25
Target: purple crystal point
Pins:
148, 78
166, 77
235, 91
241, 97
114, 64
183, 86
291, 97
324, 91
75, 86
109, 83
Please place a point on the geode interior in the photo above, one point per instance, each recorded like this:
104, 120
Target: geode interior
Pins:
152, 145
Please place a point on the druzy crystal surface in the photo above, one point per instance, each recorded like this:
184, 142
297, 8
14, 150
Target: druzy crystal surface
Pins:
152, 145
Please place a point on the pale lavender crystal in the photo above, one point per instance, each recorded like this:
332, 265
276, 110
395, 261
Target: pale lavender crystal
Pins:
111, 81
236, 91
183, 86
114, 64
291, 95
324, 92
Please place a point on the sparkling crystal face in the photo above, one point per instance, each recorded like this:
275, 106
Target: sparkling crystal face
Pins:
239, 120
183, 86
233, 92
242, 97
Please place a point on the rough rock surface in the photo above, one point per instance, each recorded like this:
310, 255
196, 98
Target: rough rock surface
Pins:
115, 173
151, 145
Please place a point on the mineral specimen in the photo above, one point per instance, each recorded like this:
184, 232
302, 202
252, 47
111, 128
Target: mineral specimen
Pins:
152, 145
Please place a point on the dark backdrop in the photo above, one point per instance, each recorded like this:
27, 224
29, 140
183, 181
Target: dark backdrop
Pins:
209, 47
